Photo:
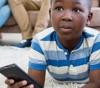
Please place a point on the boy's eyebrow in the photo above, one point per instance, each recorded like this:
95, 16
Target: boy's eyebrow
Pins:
74, 1
77, 2
58, 0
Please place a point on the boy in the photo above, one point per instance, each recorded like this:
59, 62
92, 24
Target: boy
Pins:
69, 51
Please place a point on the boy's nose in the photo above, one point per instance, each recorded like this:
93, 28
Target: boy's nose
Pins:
67, 15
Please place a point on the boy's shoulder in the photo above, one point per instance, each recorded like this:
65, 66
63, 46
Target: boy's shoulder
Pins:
91, 31
46, 32
91, 35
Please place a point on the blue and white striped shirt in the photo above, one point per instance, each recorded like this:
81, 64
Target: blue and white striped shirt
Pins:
48, 53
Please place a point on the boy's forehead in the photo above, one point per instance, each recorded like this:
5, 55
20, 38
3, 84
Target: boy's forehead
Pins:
86, 3
73, 1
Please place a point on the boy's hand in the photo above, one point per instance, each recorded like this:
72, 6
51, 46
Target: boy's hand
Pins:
21, 84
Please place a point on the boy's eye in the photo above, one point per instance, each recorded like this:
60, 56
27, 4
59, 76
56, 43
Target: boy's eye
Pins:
77, 10
58, 9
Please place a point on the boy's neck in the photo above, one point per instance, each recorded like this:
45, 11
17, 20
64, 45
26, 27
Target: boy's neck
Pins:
70, 44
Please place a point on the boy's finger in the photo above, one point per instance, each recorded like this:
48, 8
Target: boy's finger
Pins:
20, 84
29, 86
9, 82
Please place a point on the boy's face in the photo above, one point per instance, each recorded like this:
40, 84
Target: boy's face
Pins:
69, 17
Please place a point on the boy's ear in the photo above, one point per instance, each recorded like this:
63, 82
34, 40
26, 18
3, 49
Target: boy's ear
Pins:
90, 15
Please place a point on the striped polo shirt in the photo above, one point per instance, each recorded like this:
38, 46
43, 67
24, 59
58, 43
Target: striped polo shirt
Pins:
48, 53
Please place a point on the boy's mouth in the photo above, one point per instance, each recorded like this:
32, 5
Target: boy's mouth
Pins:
66, 28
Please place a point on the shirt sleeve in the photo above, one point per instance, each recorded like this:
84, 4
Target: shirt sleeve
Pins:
95, 55
36, 57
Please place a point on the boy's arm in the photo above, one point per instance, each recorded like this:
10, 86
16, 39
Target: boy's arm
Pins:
39, 76
94, 77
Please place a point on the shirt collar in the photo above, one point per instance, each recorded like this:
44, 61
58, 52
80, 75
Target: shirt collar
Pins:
65, 49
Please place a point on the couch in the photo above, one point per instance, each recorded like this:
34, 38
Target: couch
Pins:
12, 27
